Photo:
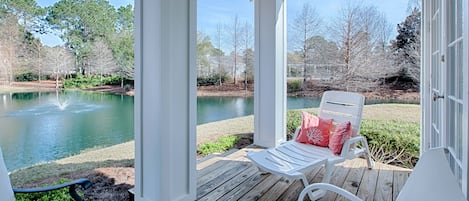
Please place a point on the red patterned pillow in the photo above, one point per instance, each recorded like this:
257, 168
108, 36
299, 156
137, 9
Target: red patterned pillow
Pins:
342, 133
314, 130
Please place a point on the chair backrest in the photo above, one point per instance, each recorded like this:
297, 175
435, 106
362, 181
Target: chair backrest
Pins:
6, 191
342, 106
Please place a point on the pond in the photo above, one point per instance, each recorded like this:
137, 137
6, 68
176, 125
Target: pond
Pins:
40, 127
45, 126
210, 109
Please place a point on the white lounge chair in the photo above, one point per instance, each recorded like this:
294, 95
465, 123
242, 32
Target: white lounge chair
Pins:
293, 159
431, 180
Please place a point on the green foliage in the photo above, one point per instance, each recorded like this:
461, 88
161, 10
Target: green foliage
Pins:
294, 85
221, 145
83, 82
28, 76
56, 195
391, 142
213, 79
293, 121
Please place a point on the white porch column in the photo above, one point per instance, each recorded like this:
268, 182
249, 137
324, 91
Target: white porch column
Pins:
270, 73
165, 100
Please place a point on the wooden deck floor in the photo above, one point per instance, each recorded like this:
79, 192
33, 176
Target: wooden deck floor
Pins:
233, 177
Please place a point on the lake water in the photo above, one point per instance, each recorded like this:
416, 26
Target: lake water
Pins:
211, 109
41, 127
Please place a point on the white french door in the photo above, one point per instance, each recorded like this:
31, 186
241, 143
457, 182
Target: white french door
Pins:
445, 63
454, 101
436, 74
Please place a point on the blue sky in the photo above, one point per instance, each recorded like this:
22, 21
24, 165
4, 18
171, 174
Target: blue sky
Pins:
213, 12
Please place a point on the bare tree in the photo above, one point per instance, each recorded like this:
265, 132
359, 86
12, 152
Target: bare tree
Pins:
101, 60
248, 54
204, 49
9, 39
234, 31
358, 30
59, 62
220, 67
305, 26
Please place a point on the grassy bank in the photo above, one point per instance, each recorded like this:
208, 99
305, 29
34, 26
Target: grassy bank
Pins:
122, 155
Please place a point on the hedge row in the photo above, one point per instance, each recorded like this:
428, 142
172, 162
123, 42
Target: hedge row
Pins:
391, 142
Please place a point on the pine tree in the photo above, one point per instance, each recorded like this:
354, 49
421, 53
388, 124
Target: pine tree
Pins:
406, 50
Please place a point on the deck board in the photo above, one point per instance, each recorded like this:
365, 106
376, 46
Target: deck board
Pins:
384, 184
399, 179
354, 177
295, 188
234, 177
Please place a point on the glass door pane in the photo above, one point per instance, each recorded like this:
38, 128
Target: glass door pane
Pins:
436, 74
454, 80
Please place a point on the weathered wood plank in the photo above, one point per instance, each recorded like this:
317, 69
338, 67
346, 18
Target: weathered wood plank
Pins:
229, 185
213, 171
208, 162
216, 163
367, 188
210, 159
227, 174
400, 177
337, 178
260, 189
243, 188
354, 177
276, 190
297, 186
384, 185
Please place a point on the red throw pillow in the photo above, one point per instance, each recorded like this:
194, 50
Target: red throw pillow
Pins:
342, 133
314, 130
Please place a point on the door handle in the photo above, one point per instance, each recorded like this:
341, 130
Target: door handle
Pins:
437, 96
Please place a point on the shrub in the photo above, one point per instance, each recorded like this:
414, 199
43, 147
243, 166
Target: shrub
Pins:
293, 121
393, 142
61, 194
213, 79
83, 82
294, 85
28, 76
390, 142
111, 80
221, 145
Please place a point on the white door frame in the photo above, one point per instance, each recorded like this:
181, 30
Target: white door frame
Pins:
426, 93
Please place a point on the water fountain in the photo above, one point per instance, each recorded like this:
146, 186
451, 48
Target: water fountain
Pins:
44, 126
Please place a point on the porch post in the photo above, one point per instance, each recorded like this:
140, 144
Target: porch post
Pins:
270, 73
425, 91
165, 100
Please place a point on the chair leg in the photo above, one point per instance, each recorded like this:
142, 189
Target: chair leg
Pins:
327, 172
317, 194
312, 195
369, 162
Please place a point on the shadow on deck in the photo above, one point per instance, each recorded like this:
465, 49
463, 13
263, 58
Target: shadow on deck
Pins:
232, 176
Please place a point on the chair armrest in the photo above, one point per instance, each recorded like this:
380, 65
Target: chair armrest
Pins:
83, 182
349, 142
297, 131
328, 187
